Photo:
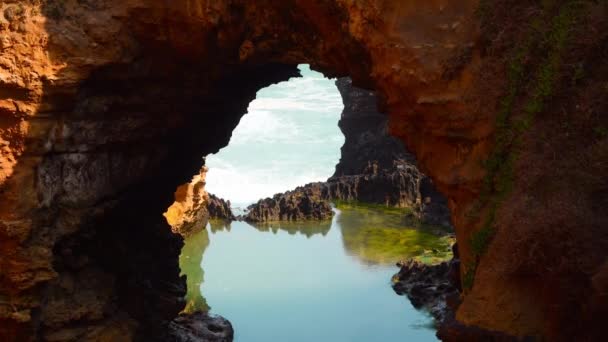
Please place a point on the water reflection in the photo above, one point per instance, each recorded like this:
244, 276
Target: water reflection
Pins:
190, 262
383, 236
219, 225
307, 228
269, 284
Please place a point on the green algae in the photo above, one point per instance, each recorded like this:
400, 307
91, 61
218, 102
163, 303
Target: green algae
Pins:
190, 261
534, 93
384, 235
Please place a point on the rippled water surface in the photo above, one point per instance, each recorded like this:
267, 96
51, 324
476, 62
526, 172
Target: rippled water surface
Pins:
313, 281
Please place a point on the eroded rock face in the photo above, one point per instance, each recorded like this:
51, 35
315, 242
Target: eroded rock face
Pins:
189, 213
194, 206
107, 106
302, 203
402, 186
366, 137
219, 208
374, 167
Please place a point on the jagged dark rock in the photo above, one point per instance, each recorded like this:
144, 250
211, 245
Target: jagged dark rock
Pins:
374, 168
365, 129
303, 203
429, 287
219, 208
402, 186
199, 326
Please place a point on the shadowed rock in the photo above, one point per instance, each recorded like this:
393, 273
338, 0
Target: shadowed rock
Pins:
303, 203
374, 167
218, 208
199, 326
428, 287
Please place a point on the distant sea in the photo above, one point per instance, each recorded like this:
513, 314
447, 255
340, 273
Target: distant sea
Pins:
288, 138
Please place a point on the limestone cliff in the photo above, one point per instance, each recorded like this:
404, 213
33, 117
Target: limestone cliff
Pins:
107, 106
189, 213
194, 206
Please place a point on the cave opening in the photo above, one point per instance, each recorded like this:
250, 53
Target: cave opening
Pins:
257, 234
288, 137
108, 106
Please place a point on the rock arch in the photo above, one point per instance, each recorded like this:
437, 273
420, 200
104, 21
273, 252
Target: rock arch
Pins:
108, 105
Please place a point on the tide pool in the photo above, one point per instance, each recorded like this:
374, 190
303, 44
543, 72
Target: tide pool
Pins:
312, 281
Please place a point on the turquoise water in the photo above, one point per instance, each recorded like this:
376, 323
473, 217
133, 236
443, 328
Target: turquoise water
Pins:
312, 281
288, 138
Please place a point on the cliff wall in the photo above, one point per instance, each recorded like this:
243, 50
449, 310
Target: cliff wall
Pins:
107, 106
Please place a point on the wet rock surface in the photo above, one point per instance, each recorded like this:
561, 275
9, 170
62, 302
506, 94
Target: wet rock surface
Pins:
429, 287
199, 327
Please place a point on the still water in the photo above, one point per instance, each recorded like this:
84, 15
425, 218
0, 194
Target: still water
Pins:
313, 281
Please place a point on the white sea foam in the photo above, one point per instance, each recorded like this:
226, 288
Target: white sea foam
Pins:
289, 137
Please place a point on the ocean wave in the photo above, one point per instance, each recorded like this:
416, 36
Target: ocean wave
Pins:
288, 138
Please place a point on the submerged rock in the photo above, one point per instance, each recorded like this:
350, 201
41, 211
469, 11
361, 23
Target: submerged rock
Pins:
199, 326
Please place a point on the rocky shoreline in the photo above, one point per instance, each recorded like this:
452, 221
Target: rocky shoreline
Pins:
303, 203
199, 326
401, 186
218, 208
374, 168
433, 288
